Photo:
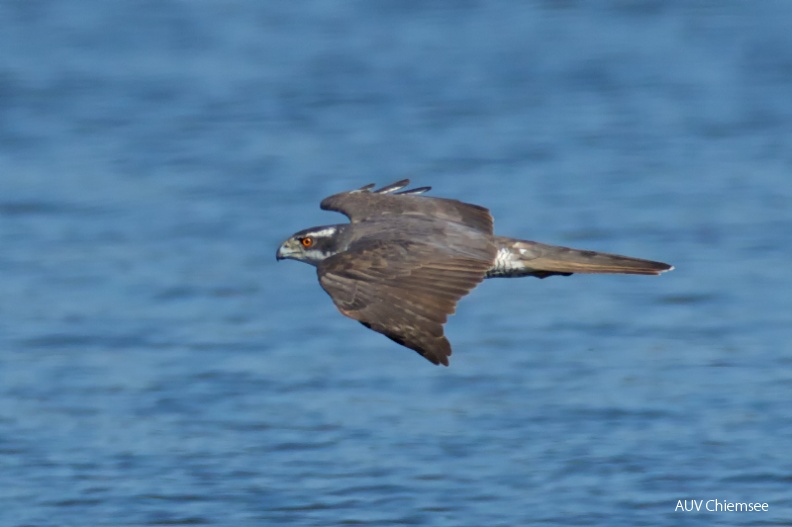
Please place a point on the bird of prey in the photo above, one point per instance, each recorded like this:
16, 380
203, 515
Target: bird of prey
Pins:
404, 260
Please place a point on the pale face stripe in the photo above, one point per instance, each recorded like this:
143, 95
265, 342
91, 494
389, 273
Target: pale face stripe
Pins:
324, 233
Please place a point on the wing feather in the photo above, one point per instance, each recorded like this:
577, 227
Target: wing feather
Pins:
403, 290
363, 204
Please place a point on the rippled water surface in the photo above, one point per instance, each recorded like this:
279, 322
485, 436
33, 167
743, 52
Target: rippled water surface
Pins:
157, 367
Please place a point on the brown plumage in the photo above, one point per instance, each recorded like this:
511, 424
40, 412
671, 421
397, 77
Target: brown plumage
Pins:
402, 291
404, 261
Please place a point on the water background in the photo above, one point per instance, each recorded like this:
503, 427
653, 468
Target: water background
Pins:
157, 367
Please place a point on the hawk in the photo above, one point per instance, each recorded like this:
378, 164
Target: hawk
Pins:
404, 260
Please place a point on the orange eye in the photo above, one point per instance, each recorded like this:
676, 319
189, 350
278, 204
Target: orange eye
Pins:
307, 242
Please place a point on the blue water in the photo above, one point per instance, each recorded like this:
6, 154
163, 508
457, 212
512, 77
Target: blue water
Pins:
157, 367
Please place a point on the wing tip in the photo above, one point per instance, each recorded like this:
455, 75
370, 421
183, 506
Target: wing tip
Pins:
437, 360
396, 188
387, 189
437, 354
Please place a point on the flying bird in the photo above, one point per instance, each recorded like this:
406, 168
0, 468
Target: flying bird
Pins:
404, 260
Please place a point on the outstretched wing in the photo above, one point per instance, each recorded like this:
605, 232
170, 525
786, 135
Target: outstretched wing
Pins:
364, 204
403, 290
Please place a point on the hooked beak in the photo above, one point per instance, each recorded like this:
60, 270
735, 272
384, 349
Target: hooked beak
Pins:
284, 251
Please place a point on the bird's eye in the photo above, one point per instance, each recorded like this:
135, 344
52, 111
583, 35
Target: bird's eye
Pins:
307, 242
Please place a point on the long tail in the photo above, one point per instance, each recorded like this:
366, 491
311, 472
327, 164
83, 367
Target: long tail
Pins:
526, 258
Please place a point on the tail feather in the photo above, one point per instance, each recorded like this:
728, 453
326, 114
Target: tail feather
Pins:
539, 259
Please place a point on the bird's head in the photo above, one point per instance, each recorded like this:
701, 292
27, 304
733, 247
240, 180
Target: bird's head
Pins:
310, 245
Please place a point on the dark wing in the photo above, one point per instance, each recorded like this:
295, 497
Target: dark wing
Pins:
364, 204
403, 290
